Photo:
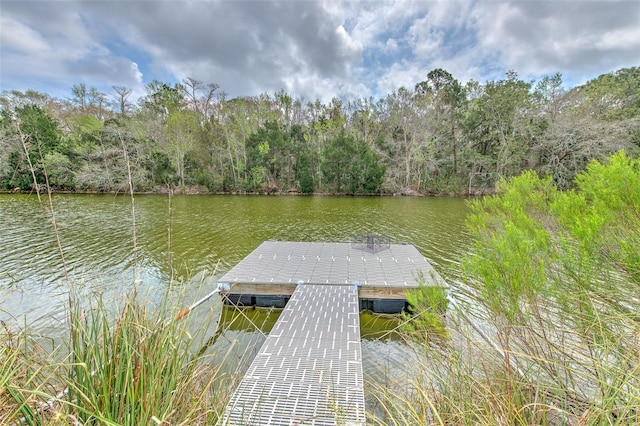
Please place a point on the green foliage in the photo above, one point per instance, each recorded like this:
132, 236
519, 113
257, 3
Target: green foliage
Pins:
369, 173
615, 95
338, 155
161, 169
512, 246
32, 135
350, 165
181, 132
162, 98
428, 306
557, 273
40, 129
439, 138
604, 214
497, 124
273, 156
59, 171
305, 178
17, 175
85, 132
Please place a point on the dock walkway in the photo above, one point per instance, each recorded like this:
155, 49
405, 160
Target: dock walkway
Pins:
309, 369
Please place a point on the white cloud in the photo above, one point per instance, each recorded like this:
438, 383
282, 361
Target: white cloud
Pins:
17, 36
350, 47
614, 39
572, 37
311, 49
400, 75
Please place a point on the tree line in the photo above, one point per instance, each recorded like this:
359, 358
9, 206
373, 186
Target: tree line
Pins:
441, 136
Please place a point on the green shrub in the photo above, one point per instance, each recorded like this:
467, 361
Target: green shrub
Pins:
427, 310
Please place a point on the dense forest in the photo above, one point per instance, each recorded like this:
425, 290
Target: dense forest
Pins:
438, 137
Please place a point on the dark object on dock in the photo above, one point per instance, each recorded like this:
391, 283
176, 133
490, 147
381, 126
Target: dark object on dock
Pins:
370, 242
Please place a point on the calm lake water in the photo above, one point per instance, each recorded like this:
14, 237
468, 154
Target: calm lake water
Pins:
188, 241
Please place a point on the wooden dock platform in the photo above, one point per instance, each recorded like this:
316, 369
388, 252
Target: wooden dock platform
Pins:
309, 369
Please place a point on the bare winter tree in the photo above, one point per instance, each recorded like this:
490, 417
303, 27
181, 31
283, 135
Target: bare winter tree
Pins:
199, 97
121, 99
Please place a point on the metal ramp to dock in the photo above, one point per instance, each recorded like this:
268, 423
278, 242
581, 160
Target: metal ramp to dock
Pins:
309, 369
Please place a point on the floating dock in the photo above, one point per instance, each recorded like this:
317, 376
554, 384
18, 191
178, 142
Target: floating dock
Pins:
309, 369
382, 272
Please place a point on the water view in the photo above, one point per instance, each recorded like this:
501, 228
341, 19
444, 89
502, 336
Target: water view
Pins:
186, 242
180, 238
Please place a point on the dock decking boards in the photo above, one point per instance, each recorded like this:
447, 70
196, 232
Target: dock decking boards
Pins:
309, 369
275, 267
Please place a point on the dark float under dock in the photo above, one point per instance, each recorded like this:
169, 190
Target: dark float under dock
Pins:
309, 369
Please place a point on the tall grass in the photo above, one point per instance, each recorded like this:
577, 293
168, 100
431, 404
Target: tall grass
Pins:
138, 366
138, 369
22, 377
466, 381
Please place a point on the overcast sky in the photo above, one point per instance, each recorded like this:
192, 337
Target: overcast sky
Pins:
310, 49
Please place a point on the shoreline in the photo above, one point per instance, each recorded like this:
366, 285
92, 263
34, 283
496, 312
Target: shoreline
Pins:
201, 191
